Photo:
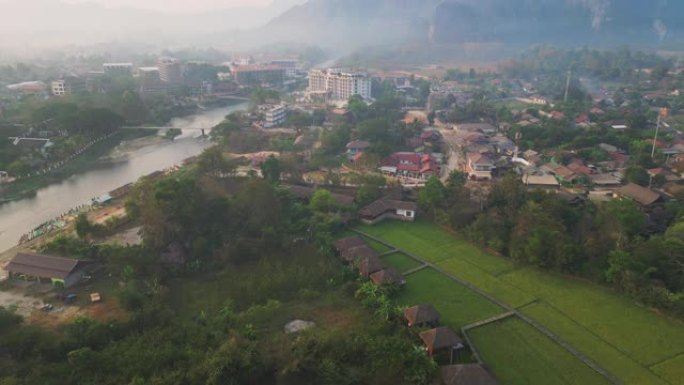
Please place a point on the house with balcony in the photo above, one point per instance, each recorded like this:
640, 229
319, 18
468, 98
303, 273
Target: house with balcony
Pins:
480, 166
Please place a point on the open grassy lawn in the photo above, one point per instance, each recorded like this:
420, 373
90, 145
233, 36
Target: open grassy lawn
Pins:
520, 355
608, 356
672, 370
459, 258
400, 262
458, 305
434, 245
621, 336
643, 335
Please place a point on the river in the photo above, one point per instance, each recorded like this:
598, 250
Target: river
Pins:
19, 217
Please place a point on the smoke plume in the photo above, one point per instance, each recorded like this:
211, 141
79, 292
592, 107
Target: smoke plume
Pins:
660, 29
598, 8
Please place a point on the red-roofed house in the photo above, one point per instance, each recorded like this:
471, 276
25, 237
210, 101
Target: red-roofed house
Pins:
557, 115
412, 165
584, 118
579, 168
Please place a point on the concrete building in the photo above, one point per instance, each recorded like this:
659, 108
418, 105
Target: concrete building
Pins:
289, 65
340, 85
170, 70
118, 69
149, 80
275, 116
257, 74
68, 85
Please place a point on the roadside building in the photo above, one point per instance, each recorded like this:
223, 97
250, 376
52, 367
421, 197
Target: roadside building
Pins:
480, 167
59, 271
388, 209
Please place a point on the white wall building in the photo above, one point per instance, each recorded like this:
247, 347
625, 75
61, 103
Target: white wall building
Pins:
275, 116
340, 85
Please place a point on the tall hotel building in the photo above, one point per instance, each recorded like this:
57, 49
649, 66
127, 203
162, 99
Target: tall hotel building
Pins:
340, 85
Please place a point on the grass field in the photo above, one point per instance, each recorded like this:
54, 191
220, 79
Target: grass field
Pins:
635, 344
520, 355
401, 262
671, 370
458, 305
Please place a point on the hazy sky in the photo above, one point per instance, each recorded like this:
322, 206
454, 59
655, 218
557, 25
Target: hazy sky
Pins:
180, 5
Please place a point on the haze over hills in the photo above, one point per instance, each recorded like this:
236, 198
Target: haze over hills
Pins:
343, 26
32, 25
349, 23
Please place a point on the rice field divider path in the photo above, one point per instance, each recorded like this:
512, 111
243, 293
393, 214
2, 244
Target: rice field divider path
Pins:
510, 311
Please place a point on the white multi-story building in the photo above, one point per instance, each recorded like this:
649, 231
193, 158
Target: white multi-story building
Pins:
275, 116
67, 85
340, 85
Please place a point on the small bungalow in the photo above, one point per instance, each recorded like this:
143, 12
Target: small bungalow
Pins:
388, 276
357, 147
441, 339
469, 374
421, 315
64, 272
388, 209
541, 182
642, 195
369, 265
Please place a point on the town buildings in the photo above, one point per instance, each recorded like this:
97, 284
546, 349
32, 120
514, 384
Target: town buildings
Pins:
339, 85
258, 74
118, 69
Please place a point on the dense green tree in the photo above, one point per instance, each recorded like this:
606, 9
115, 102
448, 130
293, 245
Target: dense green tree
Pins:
271, 169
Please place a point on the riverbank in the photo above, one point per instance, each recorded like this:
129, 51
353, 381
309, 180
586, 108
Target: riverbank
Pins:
88, 160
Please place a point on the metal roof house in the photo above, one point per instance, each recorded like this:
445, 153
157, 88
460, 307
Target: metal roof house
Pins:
60, 271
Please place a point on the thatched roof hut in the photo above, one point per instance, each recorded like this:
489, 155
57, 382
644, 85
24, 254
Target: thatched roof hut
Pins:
388, 276
421, 315
441, 338
356, 253
369, 265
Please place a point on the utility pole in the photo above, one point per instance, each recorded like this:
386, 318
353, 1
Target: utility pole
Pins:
567, 87
663, 114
